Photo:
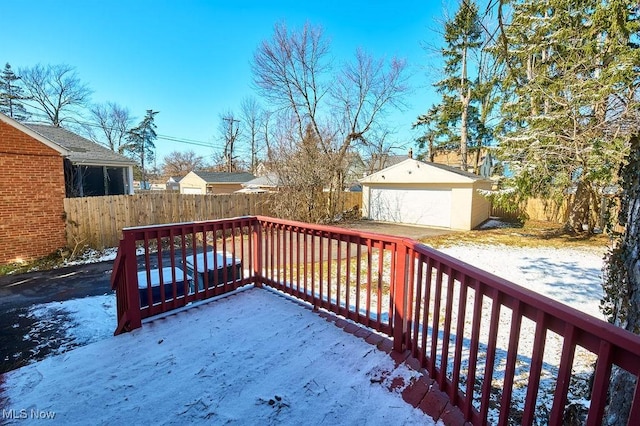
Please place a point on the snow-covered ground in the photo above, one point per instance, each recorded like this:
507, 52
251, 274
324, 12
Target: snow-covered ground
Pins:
244, 331
86, 320
254, 358
568, 275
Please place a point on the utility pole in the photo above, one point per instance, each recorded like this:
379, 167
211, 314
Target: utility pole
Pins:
230, 139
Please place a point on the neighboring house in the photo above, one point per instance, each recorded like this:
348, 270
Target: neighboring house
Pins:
267, 183
452, 157
354, 169
90, 169
173, 183
37, 171
157, 186
197, 182
429, 194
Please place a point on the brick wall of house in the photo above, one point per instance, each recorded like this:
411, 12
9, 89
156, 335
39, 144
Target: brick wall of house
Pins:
31, 197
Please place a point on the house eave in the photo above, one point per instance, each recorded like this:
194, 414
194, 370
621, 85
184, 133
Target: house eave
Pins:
99, 163
35, 135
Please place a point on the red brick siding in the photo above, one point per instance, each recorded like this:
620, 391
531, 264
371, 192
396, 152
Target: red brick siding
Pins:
31, 197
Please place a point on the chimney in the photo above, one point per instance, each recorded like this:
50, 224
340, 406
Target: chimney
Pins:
410, 152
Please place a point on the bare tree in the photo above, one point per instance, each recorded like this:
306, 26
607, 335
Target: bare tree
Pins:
359, 97
55, 91
109, 125
303, 171
251, 122
180, 163
337, 110
229, 128
267, 130
378, 151
361, 93
290, 71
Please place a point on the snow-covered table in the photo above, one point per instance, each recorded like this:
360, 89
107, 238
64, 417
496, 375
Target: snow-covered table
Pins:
167, 279
225, 268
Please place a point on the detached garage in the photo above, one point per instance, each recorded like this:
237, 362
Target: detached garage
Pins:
428, 194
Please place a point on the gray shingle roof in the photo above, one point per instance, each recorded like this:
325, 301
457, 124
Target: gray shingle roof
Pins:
224, 177
271, 179
392, 160
457, 170
82, 151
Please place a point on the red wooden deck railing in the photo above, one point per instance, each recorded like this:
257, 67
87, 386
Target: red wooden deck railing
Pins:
465, 326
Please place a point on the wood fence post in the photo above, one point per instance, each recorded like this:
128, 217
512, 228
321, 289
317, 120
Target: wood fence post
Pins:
131, 281
257, 252
401, 280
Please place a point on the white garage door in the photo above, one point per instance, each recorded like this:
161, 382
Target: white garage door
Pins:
192, 190
430, 207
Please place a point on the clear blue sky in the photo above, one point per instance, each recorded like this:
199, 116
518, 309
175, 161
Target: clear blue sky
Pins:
190, 59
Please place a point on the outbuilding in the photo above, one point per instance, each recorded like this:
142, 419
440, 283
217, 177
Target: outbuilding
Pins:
199, 182
428, 194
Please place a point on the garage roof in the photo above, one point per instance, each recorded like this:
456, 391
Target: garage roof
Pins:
414, 171
224, 177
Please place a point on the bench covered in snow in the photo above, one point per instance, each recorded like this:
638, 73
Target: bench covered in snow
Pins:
167, 279
225, 269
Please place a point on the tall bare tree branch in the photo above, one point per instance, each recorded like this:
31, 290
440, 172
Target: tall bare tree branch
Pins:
55, 91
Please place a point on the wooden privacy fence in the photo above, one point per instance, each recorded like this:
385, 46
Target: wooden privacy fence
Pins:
97, 222
536, 209
552, 211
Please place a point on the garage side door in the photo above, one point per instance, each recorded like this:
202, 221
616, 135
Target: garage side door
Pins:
429, 207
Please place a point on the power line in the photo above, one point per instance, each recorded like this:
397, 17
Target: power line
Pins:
186, 141
168, 138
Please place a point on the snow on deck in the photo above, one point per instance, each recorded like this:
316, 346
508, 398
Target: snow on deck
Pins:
251, 358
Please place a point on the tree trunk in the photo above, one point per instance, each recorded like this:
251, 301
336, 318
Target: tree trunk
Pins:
465, 97
580, 209
623, 267
464, 131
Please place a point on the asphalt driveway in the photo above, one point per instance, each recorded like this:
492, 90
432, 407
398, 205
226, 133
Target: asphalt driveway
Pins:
20, 292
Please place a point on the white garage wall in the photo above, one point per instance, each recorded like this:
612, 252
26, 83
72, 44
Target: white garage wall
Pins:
466, 207
427, 192
481, 205
187, 190
431, 207
191, 183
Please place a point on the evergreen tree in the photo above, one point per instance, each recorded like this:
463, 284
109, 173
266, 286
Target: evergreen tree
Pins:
438, 134
140, 141
568, 98
453, 122
11, 93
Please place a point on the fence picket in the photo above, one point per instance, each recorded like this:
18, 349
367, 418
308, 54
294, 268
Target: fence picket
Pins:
98, 221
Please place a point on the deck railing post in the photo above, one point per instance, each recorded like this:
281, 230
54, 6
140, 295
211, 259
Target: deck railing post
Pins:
400, 281
257, 253
131, 281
